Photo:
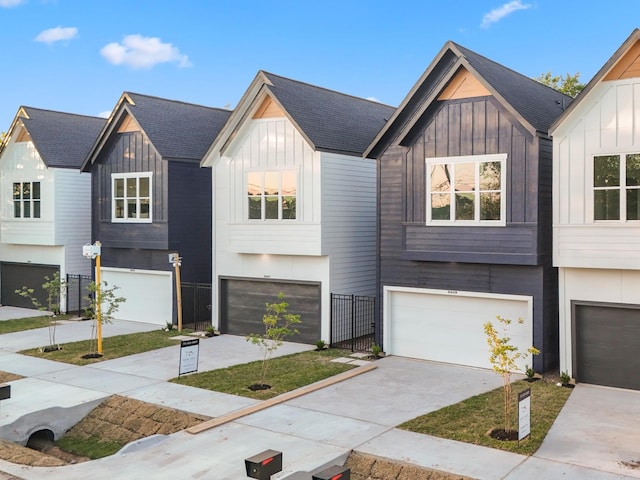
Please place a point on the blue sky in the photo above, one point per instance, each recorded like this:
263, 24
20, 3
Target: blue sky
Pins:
79, 55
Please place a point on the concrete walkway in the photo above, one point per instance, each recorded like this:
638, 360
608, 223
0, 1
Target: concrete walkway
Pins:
587, 442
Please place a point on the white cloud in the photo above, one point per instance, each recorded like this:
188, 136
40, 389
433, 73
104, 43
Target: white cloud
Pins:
373, 99
56, 35
105, 114
137, 51
10, 3
499, 13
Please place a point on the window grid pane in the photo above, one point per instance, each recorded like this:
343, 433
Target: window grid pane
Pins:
132, 197
272, 195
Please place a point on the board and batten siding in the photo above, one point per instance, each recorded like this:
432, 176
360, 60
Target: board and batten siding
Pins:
22, 163
273, 144
607, 122
131, 152
477, 126
349, 222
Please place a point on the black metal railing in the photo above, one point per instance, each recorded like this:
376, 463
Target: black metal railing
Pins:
77, 294
353, 322
196, 305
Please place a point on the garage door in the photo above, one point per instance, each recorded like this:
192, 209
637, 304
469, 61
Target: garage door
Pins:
14, 276
148, 294
606, 345
242, 305
449, 327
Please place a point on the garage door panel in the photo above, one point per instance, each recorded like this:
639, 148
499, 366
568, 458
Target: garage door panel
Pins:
450, 328
243, 304
149, 295
14, 276
607, 342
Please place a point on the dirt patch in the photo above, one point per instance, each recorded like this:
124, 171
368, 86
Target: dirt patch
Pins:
117, 419
370, 467
8, 377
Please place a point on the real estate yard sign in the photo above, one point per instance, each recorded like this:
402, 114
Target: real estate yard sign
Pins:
524, 414
189, 350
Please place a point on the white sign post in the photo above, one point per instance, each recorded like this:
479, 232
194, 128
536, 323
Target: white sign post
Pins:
189, 350
524, 414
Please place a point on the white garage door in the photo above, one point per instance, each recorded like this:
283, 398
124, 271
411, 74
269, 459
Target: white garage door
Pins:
149, 294
449, 326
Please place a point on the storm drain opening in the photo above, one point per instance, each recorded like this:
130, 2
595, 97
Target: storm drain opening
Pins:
41, 440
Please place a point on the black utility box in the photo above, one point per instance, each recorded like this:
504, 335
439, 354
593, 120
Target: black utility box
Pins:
263, 465
5, 391
335, 472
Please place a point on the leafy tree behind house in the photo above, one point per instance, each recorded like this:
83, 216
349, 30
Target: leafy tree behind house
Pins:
569, 84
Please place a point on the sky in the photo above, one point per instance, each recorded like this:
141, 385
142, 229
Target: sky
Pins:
79, 56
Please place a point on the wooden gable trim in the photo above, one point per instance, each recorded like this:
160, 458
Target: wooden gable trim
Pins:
268, 109
129, 124
23, 135
628, 66
464, 85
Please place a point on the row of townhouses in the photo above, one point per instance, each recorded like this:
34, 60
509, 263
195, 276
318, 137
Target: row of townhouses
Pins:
483, 193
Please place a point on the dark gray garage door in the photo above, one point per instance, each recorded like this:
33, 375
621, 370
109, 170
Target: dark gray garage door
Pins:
607, 345
242, 305
13, 276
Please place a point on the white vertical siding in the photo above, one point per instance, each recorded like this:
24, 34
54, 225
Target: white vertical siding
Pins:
272, 144
349, 222
607, 122
73, 218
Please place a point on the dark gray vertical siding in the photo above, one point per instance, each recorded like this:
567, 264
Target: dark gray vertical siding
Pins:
506, 260
190, 219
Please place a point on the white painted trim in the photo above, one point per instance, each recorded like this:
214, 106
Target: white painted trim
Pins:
387, 290
137, 176
135, 270
476, 159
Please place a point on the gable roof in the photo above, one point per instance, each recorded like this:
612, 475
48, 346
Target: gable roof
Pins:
62, 140
598, 77
330, 121
177, 130
535, 105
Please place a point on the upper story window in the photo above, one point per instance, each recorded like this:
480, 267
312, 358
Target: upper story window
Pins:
131, 197
26, 199
272, 195
616, 187
467, 190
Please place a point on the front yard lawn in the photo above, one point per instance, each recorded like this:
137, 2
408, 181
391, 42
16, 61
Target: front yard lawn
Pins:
113, 347
472, 419
20, 324
285, 374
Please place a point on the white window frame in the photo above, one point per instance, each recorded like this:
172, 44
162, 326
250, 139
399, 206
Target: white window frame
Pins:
31, 201
622, 188
476, 159
263, 196
126, 176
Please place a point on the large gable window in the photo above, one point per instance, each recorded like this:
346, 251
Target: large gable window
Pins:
466, 190
616, 187
131, 197
26, 199
272, 195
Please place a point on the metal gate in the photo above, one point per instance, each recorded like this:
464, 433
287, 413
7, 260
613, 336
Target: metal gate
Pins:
196, 305
77, 294
353, 322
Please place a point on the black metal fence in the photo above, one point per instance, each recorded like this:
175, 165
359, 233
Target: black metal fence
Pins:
353, 322
77, 294
196, 305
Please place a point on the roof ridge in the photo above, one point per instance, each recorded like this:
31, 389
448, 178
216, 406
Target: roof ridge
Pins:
61, 112
191, 104
327, 89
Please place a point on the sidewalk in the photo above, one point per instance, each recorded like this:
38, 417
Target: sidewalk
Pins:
314, 430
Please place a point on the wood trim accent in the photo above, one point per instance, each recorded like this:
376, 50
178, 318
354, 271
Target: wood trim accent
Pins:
23, 136
129, 125
463, 85
268, 109
230, 417
628, 66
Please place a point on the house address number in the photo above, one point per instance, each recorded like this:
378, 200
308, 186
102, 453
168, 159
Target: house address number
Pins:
452, 292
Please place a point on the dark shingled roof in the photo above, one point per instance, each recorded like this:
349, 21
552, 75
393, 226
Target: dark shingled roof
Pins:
539, 104
63, 140
333, 121
176, 129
